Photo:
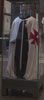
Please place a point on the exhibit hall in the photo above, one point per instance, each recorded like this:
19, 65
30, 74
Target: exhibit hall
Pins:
22, 68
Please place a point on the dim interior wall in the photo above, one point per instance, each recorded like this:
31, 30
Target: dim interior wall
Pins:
6, 17
7, 7
1, 23
1, 16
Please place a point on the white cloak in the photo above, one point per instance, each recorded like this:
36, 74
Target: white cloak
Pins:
32, 63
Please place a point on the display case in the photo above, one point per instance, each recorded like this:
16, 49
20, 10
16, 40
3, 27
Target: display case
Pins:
21, 69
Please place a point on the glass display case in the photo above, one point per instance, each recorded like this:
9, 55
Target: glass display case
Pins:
41, 37
21, 69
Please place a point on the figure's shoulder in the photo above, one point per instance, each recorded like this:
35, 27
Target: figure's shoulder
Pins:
31, 19
15, 20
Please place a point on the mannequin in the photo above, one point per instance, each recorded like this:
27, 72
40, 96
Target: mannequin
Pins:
20, 48
29, 54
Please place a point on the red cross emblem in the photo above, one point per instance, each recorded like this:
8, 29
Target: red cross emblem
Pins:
34, 37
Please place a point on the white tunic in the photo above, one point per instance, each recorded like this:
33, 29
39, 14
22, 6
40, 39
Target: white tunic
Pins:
32, 63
